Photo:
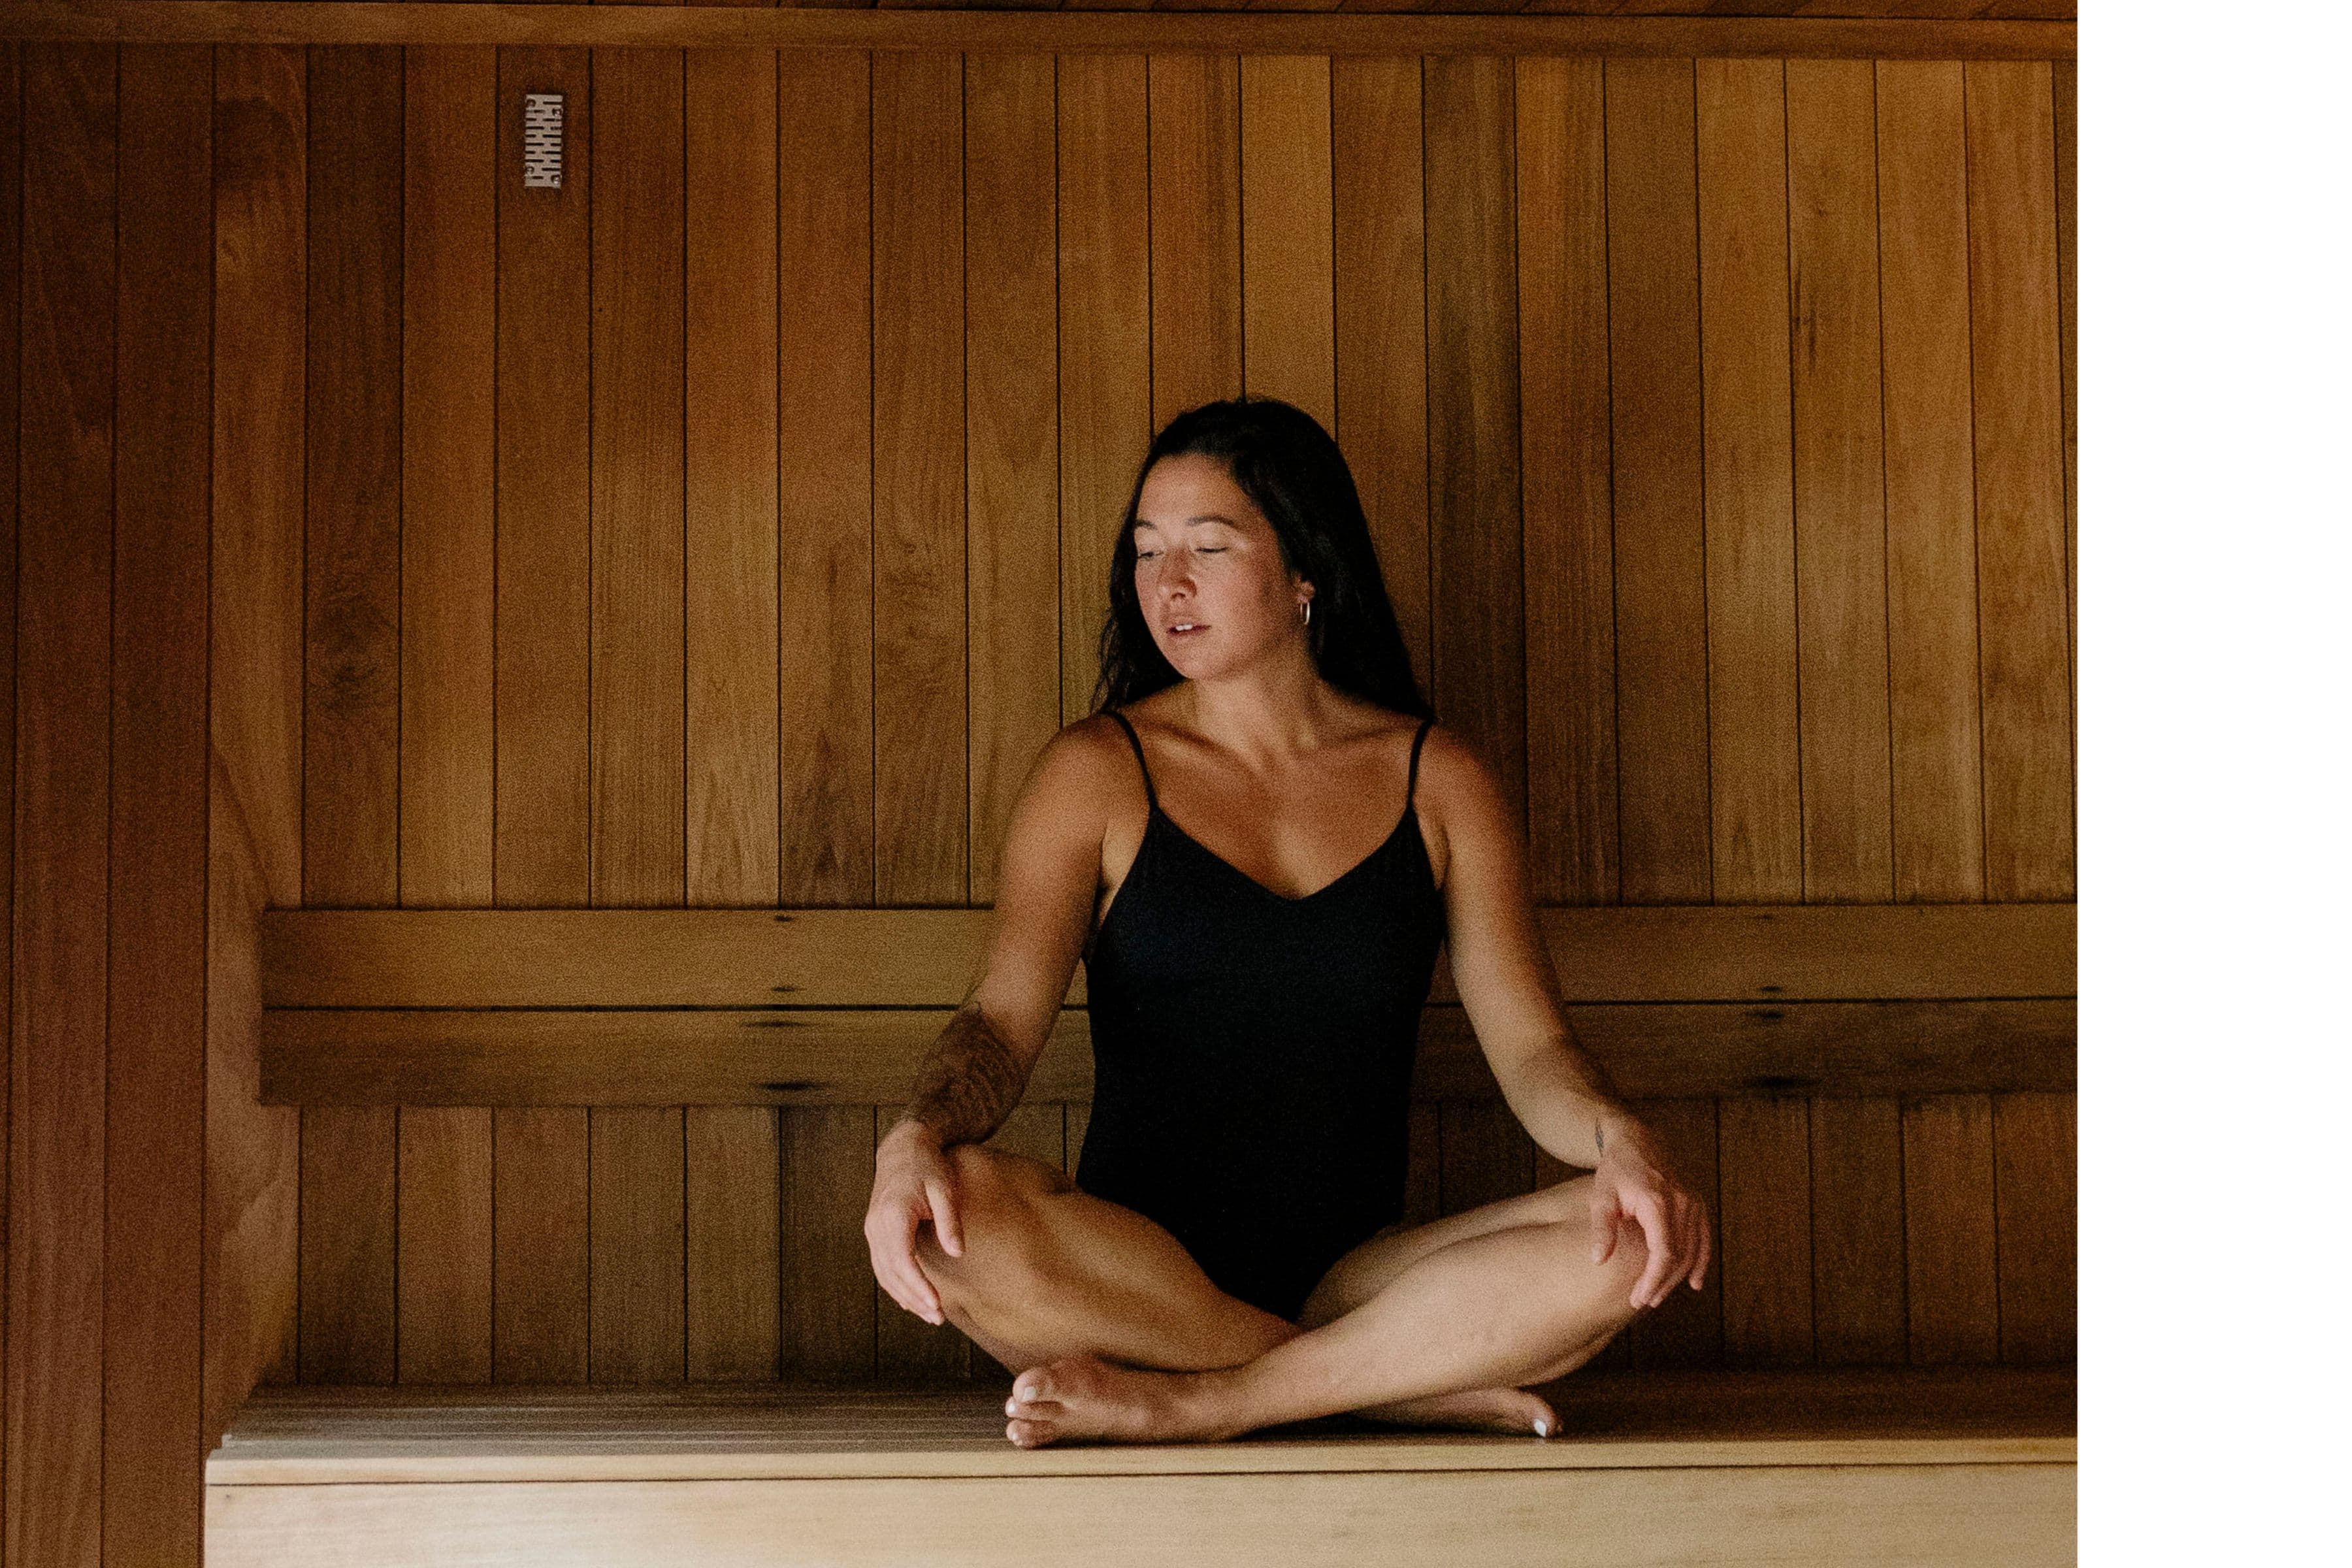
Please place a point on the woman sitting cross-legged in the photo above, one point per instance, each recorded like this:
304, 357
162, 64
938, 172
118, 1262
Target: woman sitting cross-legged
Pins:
1228, 1256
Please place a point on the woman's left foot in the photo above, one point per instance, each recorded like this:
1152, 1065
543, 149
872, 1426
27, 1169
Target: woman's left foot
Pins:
1084, 1396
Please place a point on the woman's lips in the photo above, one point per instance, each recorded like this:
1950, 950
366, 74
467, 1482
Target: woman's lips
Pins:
1187, 630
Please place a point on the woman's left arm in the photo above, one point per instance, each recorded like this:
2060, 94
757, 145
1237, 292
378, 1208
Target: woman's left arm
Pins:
1503, 974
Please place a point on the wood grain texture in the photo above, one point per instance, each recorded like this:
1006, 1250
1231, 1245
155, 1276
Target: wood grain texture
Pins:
825, 479
12, 215
1214, 28
539, 1284
828, 1279
1286, 232
902, 958
1569, 559
543, 495
1478, 673
57, 1100
1107, 396
636, 1244
922, 831
1839, 478
1931, 550
1195, 189
2062, 83
1657, 445
1949, 1229
448, 590
2034, 1203
1014, 618
155, 856
350, 709
1485, 1155
2021, 488
252, 1154
732, 757
1380, 332
734, 1204
1860, 1317
1766, 1223
639, 751
445, 1243
350, 1230
1757, 824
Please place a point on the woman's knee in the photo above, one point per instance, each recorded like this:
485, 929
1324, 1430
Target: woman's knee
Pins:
997, 1219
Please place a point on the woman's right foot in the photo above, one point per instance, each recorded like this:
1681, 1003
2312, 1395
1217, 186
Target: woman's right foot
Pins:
1475, 1409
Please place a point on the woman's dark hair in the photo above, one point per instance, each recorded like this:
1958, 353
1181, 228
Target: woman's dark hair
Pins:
1291, 469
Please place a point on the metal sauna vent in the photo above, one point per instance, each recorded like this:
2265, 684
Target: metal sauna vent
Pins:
542, 140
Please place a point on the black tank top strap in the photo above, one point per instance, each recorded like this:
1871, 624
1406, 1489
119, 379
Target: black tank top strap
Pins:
1412, 774
1150, 794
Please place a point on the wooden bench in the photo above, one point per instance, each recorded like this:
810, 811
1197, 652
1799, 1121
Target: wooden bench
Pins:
1876, 1468
812, 1008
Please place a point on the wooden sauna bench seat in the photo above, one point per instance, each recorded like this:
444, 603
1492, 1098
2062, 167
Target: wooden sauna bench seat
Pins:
1943, 1466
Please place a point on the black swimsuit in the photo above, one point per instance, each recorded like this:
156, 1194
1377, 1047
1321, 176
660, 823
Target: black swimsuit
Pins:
1252, 1052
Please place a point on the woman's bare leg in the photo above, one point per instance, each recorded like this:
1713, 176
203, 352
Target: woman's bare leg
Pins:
1050, 1273
1512, 1306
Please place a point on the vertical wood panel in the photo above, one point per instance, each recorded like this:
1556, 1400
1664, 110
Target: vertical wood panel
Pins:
1106, 312
1859, 1315
636, 1244
1285, 231
638, 748
1013, 623
1931, 572
349, 1225
2034, 1201
1686, 1328
1195, 229
1948, 1228
825, 420
734, 1204
1381, 411
12, 168
1425, 1164
350, 717
1766, 1226
1479, 671
2022, 573
2061, 78
733, 532
155, 1000
56, 1145
828, 1282
544, 494
350, 729
445, 1244
1750, 546
921, 783
1655, 444
447, 481
448, 607
539, 1273
1841, 520
253, 1151
1569, 563
731, 523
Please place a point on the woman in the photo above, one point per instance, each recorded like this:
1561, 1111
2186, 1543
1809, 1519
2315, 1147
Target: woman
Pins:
1228, 1256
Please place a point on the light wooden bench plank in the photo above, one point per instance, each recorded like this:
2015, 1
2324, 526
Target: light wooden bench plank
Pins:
901, 958
856, 1056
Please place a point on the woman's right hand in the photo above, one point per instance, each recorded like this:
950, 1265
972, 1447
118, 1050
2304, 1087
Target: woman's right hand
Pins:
913, 1182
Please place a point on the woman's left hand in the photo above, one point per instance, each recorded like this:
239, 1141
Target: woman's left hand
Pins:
1632, 1186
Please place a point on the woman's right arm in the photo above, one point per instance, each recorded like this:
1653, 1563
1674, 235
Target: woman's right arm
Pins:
1047, 881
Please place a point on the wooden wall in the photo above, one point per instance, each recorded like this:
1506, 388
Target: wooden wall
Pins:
730, 528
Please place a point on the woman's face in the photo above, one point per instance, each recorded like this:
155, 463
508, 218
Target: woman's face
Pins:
1206, 559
